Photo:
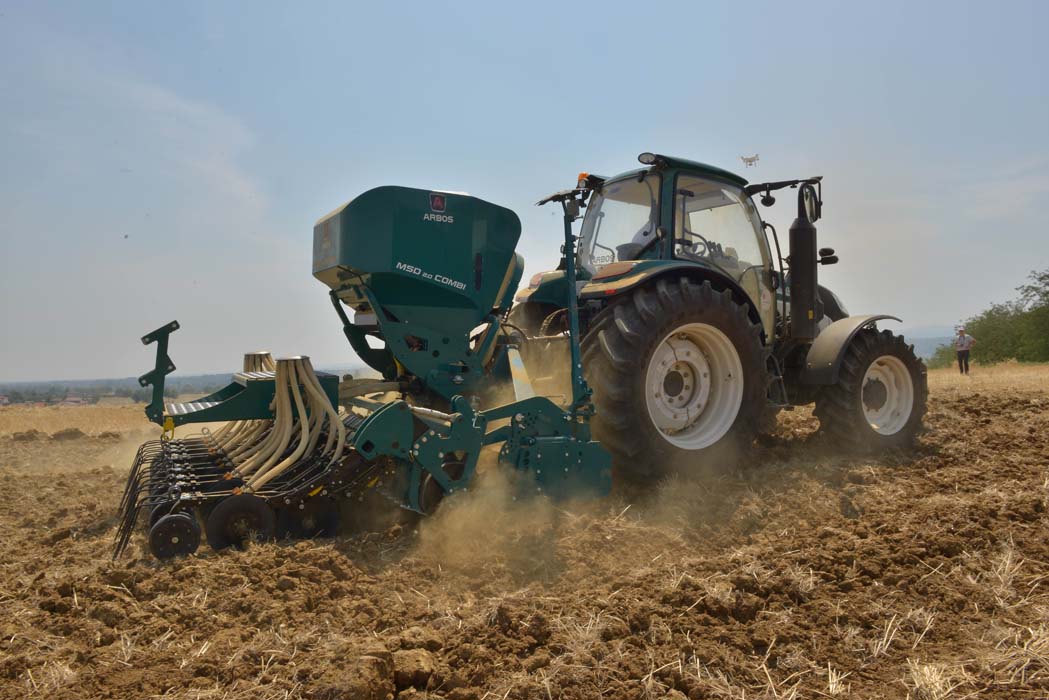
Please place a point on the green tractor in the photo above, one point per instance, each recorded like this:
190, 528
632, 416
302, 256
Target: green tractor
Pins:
695, 330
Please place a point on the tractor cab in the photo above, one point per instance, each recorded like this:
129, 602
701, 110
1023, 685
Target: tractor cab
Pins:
683, 211
672, 213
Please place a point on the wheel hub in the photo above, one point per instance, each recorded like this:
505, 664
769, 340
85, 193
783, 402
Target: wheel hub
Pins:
693, 386
674, 382
242, 526
174, 535
681, 383
875, 395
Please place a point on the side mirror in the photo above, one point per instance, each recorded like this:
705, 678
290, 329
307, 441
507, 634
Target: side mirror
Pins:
826, 251
809, 203
767, 200
828, 260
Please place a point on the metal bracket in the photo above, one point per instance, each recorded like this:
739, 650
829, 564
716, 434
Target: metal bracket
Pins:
162, 367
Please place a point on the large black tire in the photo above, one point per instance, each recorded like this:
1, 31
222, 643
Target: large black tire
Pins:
622, 342
846, 409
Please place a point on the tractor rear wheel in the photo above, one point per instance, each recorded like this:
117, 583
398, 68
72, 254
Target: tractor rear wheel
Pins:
880, 397
678, 376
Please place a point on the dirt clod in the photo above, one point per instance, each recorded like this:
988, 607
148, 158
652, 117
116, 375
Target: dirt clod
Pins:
412, 668
420, 638
367, 677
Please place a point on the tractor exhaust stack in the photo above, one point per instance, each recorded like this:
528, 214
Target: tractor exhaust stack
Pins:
805, 308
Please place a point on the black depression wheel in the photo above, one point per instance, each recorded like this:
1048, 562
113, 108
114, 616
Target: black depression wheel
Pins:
317, 517
238, 520
881, 394
430, 492
678, 377
174, 536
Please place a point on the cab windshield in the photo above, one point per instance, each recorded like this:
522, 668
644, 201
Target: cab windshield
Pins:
620, 222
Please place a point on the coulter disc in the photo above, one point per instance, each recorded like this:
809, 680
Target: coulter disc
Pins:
317, 517
238, 520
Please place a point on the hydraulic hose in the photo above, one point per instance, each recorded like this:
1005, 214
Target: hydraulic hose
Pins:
262, 450
270, 471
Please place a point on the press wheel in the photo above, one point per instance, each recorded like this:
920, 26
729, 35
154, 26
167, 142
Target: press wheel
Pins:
175, 535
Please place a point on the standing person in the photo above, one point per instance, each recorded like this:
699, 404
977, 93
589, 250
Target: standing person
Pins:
962, 343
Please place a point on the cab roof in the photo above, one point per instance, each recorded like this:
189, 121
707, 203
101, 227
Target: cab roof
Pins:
665, 162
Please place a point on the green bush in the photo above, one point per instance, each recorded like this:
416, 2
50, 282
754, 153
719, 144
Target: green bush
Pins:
942, 357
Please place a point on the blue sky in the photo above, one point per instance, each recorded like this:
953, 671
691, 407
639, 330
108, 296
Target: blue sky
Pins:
168, 160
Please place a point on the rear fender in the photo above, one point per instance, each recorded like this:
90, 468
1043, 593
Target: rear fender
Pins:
645, 272
545, 288
823, 360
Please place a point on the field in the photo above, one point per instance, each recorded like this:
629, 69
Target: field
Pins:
808, 575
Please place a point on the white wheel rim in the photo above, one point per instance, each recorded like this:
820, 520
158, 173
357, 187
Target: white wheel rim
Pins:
887, 407
694, 386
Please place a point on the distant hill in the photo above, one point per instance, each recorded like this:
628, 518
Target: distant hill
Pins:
51, 391
926, 347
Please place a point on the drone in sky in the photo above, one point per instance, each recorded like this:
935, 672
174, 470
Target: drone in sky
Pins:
750, 160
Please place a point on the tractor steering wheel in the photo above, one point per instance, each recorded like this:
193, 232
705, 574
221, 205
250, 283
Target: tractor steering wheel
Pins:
699, 246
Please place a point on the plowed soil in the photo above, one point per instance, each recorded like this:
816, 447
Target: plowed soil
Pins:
809, 574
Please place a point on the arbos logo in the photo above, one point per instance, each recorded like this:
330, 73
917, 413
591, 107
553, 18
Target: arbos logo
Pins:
438, 204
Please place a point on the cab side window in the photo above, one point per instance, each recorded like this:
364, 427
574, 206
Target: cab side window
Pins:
716, 224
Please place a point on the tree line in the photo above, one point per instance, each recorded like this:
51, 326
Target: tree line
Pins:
1014, 330
56, 393
91, 390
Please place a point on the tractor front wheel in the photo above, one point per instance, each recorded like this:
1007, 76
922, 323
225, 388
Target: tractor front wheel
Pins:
678, 376
880, 397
